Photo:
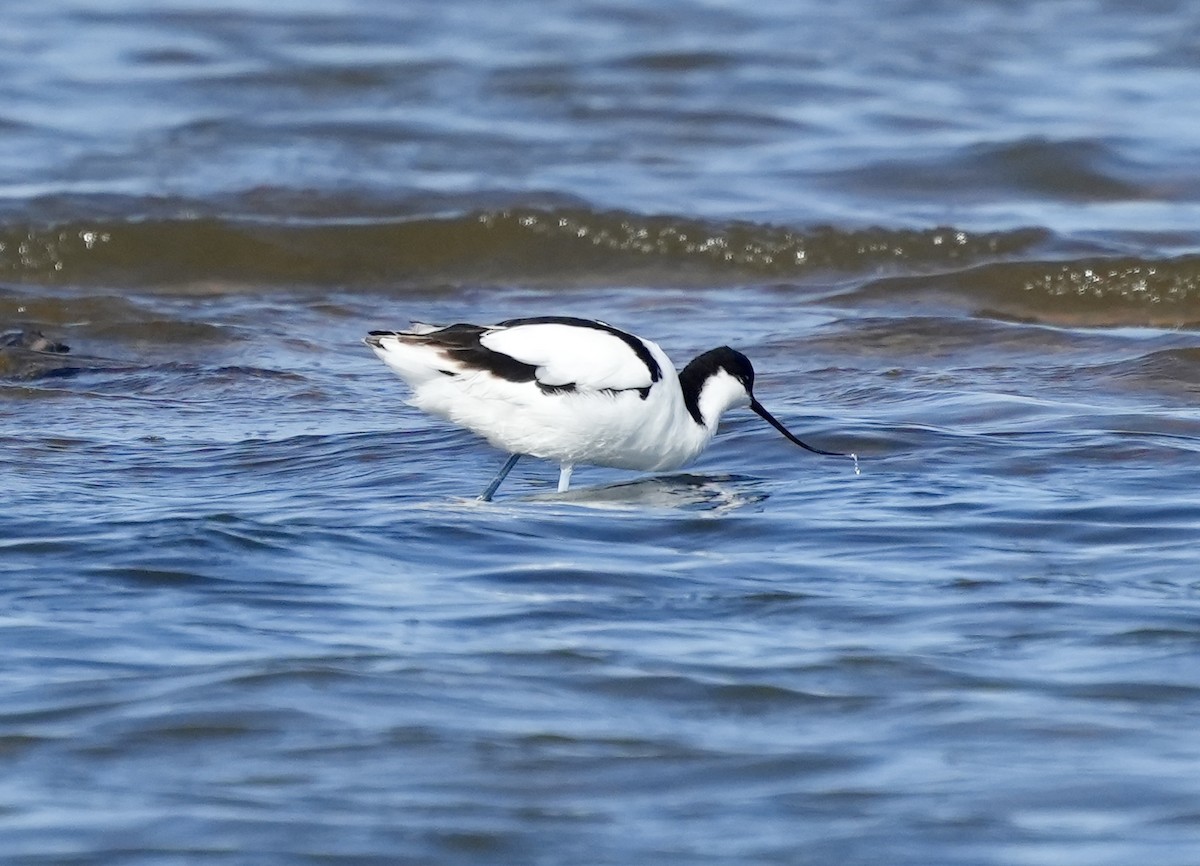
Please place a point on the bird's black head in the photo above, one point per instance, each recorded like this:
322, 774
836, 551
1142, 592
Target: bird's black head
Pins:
724, 359
703, 367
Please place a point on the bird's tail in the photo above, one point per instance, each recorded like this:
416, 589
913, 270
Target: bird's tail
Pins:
411, 358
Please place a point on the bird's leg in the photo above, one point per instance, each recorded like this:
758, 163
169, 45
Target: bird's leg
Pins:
564, 476
486, 495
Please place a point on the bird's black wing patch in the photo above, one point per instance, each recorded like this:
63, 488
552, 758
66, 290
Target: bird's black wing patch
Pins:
461, 343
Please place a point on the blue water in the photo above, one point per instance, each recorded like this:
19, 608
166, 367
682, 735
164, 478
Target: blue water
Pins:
250, 611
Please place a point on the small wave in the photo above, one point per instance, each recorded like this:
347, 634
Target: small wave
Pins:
991, 272
1170, 371
573, 246
1093, 291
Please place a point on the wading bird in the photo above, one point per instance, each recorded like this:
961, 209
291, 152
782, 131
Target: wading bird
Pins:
571, 390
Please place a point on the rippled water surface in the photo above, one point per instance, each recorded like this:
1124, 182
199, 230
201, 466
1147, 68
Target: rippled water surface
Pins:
249, 609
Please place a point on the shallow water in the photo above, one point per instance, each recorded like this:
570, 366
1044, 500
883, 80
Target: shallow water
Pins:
250, 611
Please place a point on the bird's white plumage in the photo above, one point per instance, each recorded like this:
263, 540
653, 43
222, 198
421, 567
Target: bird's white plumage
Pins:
604, 419
588, 358
621, 428
570, 390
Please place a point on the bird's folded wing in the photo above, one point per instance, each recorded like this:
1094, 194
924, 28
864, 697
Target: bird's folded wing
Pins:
588, 358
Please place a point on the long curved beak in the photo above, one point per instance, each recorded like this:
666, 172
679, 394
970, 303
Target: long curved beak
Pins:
761, 411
